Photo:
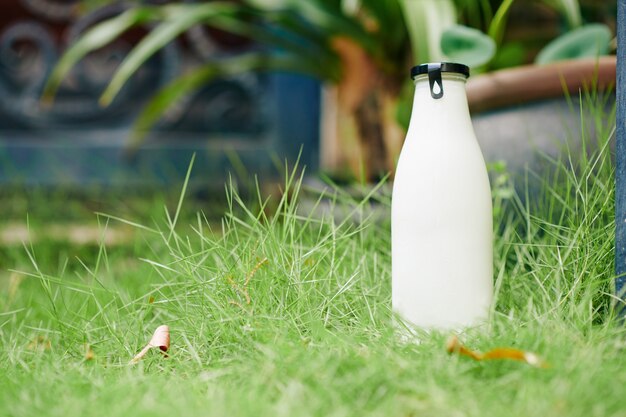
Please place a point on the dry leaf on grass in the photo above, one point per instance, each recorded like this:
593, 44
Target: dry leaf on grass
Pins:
160, 339
454, 346
89, 354
244, 291
39, 344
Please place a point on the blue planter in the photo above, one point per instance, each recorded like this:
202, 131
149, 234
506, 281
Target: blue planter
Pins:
95, 152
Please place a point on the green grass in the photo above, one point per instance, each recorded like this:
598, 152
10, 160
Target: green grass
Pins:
316, 339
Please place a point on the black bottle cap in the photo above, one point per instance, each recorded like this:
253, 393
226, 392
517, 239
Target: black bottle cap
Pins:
442, 66
434, 71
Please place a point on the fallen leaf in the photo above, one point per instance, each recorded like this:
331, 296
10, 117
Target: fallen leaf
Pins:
39, 344
454, 346
89, 354
244, 291
160, 339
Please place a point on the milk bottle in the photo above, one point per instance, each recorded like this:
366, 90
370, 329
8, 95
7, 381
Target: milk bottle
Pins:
441, 209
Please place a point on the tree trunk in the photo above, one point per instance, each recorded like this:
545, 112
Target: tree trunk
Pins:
361, 137
361, 143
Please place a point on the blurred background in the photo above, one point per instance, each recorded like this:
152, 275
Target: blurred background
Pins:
102, 95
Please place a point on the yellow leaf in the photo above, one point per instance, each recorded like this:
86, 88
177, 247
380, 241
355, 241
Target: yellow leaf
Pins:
39, 344
89, 354
454, 346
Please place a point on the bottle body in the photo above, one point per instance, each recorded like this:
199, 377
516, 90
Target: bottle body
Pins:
442, 249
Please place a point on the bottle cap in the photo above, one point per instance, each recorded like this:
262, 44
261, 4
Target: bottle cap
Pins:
434, 71
442, 66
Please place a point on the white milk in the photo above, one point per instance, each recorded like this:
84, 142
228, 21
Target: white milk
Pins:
441, 214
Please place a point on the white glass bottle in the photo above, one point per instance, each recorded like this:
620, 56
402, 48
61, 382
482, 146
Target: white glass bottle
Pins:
442, 249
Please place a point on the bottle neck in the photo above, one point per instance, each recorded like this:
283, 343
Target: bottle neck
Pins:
450, 108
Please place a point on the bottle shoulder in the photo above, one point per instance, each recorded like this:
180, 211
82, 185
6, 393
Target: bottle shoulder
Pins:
442, 160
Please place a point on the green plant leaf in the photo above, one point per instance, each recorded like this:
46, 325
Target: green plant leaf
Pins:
269, 5
295, 37
498, 24
426, 20
228, 17
390, 29
508, 55
186, 84
178, 19
299, 30
325, 16
468, 46
587, 41
97, 37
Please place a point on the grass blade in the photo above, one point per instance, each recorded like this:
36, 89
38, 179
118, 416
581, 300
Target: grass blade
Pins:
182, 196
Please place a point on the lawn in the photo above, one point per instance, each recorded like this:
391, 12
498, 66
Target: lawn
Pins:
279, 310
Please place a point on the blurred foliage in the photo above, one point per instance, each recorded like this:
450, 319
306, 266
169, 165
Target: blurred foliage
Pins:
467, 45
588, 40
301, 36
